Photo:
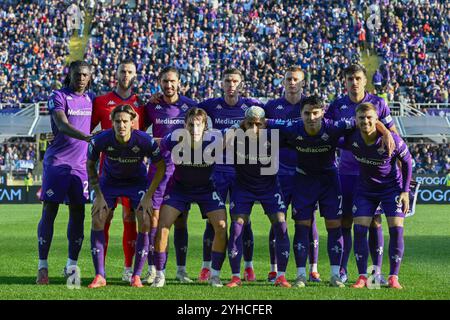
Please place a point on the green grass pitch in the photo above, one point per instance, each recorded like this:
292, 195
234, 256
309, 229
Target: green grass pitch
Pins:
424, 273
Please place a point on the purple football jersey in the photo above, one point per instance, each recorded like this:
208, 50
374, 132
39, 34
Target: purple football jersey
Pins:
378, 171
315, 154
64, 150
165, 117
345, 109
224, 116
190, 176
283, 110
124, 164
248, 174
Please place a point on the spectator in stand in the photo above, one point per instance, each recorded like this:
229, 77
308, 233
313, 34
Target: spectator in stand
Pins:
34, 43
430, 158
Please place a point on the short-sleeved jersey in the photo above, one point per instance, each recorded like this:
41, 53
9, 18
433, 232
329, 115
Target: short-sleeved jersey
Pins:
124, 164
165, 118
193, 175
345, 109
316, 154
224, 116
378, 170
281, 109
103, 105
64, 150
249, 166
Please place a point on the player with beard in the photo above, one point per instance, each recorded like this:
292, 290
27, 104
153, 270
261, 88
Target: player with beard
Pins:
165, 113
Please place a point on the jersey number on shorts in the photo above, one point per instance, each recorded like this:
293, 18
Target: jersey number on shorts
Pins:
280, 200
215, 196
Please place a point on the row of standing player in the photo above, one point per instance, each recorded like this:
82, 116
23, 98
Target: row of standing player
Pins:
223, 111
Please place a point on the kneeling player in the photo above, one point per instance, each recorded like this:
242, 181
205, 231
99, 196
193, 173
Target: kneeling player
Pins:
191, 182
380, 182
124, 174
252, 186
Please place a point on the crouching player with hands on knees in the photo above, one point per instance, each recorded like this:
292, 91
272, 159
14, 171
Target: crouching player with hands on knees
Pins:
380, 182
315, 139
190, 183
124, 174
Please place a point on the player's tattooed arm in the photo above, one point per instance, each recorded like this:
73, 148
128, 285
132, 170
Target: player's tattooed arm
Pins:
388, 141
65, 127
146, 204
99, 205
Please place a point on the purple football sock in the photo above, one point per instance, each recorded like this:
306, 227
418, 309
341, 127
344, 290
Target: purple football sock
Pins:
208, 238
335, 246
273, 256
282, 245
180, 238
247, 242
141, 253
75, 234
396, 249
217, 259
313, 253
160, 260
98, 251
151, 246
235, 247
301, 245
361, 247
376, 246
45, 231
347, 247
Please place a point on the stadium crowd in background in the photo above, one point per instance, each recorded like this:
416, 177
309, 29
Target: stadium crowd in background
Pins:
430, 158
204, 37
17, 154
413, 43
34, 43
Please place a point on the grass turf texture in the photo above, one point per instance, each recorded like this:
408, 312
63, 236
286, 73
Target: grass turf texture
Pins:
424, 272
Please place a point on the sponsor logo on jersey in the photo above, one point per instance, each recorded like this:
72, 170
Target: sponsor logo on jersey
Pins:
299, 138
79, 112
218, 107
69, 98
343, 107
280, 107
158, 107
136, 149
111, 103
355, 144
110, 148
169, 121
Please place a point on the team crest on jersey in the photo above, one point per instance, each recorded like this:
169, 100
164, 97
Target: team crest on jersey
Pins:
111, 103
136, 104
325, 137
49, 192
354, 208
136, 149
244, 107
184, 107
280, 107
231, 205
381, 150
166, 197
